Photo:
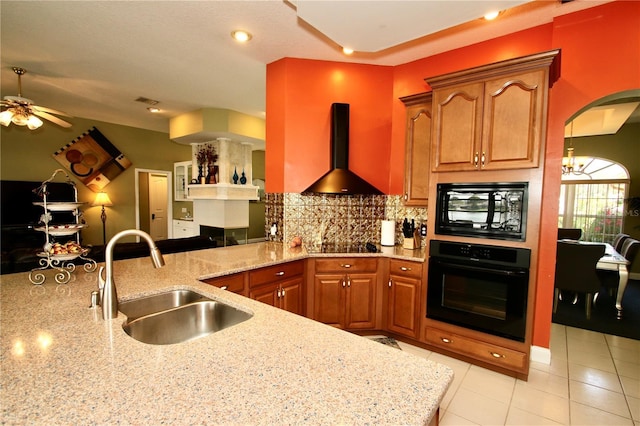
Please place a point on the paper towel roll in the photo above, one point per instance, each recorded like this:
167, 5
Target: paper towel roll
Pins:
388, 233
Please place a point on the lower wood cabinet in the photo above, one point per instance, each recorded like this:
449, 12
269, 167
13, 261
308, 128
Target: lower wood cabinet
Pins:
345, 292
404, 287
497, 355
280, 285
234, 282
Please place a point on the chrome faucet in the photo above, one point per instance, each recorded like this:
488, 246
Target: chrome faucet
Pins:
109, 298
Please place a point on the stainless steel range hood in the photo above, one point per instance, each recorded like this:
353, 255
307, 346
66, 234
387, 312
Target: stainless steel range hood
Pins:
341, 180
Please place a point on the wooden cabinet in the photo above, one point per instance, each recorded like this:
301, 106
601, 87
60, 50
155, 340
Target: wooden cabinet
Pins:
404, 297
234, 282
345, 292
493, 354
280, 285
492, 117
417, 149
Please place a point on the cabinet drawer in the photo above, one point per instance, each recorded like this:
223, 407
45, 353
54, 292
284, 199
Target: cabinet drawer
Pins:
186, 224
481, 351
347, 264
405, 268
234, 282
275, 273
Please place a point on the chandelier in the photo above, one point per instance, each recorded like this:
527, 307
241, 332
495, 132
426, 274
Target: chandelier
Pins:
570, 164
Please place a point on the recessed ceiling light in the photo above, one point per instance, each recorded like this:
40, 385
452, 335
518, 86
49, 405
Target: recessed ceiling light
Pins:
241, 36
490, 16
153, 109
347, 50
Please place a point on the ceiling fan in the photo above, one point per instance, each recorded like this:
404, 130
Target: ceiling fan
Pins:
22, 112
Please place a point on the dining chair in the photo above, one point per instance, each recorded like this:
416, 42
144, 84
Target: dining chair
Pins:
576, 271
611, 279
569, 233
618, 241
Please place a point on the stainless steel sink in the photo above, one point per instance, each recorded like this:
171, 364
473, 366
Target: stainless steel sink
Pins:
187, 322
147, 305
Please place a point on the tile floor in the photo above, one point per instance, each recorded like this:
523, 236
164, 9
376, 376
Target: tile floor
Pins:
593, 379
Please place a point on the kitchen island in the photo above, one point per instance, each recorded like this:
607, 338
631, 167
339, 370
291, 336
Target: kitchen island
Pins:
62, 364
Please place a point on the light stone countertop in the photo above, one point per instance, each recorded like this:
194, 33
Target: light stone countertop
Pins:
62, 364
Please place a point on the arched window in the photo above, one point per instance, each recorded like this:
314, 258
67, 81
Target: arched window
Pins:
592, 198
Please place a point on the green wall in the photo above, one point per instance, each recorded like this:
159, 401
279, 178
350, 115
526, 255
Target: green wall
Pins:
27, 155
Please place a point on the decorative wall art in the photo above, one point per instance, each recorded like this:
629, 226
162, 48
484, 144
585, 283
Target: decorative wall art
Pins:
93, 159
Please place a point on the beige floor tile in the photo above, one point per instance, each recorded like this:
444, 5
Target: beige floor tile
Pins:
541, 403
459, 368
588, 359
558, 367
494, 385
630, 387
423, 353
634, 407
592, 376
627, 354
593, 347
517, 416
450, 419
478, 408
585, 415
596, 397
547, 382
623, 342
628, 369
585, 335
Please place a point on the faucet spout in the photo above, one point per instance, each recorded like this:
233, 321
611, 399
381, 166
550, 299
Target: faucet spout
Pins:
109, 295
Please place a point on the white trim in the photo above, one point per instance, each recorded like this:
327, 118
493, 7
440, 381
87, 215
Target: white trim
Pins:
540, 354
634, 276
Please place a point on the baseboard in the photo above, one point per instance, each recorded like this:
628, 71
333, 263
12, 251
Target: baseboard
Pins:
540, 354
634, 276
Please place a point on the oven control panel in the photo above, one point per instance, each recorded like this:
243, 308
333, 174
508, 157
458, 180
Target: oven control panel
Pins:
508, 256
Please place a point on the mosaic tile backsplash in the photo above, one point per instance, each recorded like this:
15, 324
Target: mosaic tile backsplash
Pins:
336, 219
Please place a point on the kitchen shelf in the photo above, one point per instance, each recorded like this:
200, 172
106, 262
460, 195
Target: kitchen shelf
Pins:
56, 255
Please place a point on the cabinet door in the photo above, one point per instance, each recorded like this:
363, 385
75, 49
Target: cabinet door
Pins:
360, 307
329, 295
182, 176
513, 121
457, 127
403, 313
417, 149
234, 282
291, 296
266, 294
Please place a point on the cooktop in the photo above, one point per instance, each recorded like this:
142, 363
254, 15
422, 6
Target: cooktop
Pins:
344, 248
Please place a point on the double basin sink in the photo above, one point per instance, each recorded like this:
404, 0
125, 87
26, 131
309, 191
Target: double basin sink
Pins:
177, 316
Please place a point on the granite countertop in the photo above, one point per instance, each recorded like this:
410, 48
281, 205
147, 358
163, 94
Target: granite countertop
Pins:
62, 364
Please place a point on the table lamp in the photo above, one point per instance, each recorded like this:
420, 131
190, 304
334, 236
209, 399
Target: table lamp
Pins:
102, 199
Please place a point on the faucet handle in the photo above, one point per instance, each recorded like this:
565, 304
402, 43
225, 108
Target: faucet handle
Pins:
101, 283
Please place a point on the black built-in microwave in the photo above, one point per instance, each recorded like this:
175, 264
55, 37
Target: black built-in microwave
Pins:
482, 210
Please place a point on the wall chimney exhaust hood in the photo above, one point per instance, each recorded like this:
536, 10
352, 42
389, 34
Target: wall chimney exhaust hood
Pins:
341, 180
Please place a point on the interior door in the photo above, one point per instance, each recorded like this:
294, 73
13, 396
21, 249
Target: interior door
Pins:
158, 206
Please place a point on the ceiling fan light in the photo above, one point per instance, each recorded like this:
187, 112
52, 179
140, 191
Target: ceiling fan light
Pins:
5, 117
20, 119
33, 122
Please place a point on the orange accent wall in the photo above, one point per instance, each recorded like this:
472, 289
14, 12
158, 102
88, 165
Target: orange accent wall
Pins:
600, 56
299, 97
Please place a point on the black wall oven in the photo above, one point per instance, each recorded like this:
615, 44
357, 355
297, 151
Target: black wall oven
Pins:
480, 287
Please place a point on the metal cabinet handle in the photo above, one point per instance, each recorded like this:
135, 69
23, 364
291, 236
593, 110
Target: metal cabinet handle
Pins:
344, 284
224, 287
282, 293
405, 269
278, 293
389, 282
475, 159
345, 265
483, 158
496, 355
279, 274
445, 340
406, 196
348, 281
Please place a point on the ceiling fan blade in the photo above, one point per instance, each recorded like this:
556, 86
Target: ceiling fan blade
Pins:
51, 118
48, 110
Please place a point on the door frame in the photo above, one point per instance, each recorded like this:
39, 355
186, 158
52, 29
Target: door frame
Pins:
169, 175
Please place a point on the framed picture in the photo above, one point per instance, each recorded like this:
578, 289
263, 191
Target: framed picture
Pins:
93, 159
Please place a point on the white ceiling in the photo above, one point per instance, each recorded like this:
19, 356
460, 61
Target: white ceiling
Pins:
93, 59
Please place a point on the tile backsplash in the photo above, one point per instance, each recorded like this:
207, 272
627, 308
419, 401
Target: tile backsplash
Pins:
336, 219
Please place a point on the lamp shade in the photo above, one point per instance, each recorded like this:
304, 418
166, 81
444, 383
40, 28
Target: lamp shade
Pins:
102, 199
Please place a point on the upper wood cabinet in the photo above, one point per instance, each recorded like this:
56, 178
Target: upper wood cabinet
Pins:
492, 117
417, 162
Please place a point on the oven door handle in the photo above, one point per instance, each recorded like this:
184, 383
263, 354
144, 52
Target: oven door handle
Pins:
475, 268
